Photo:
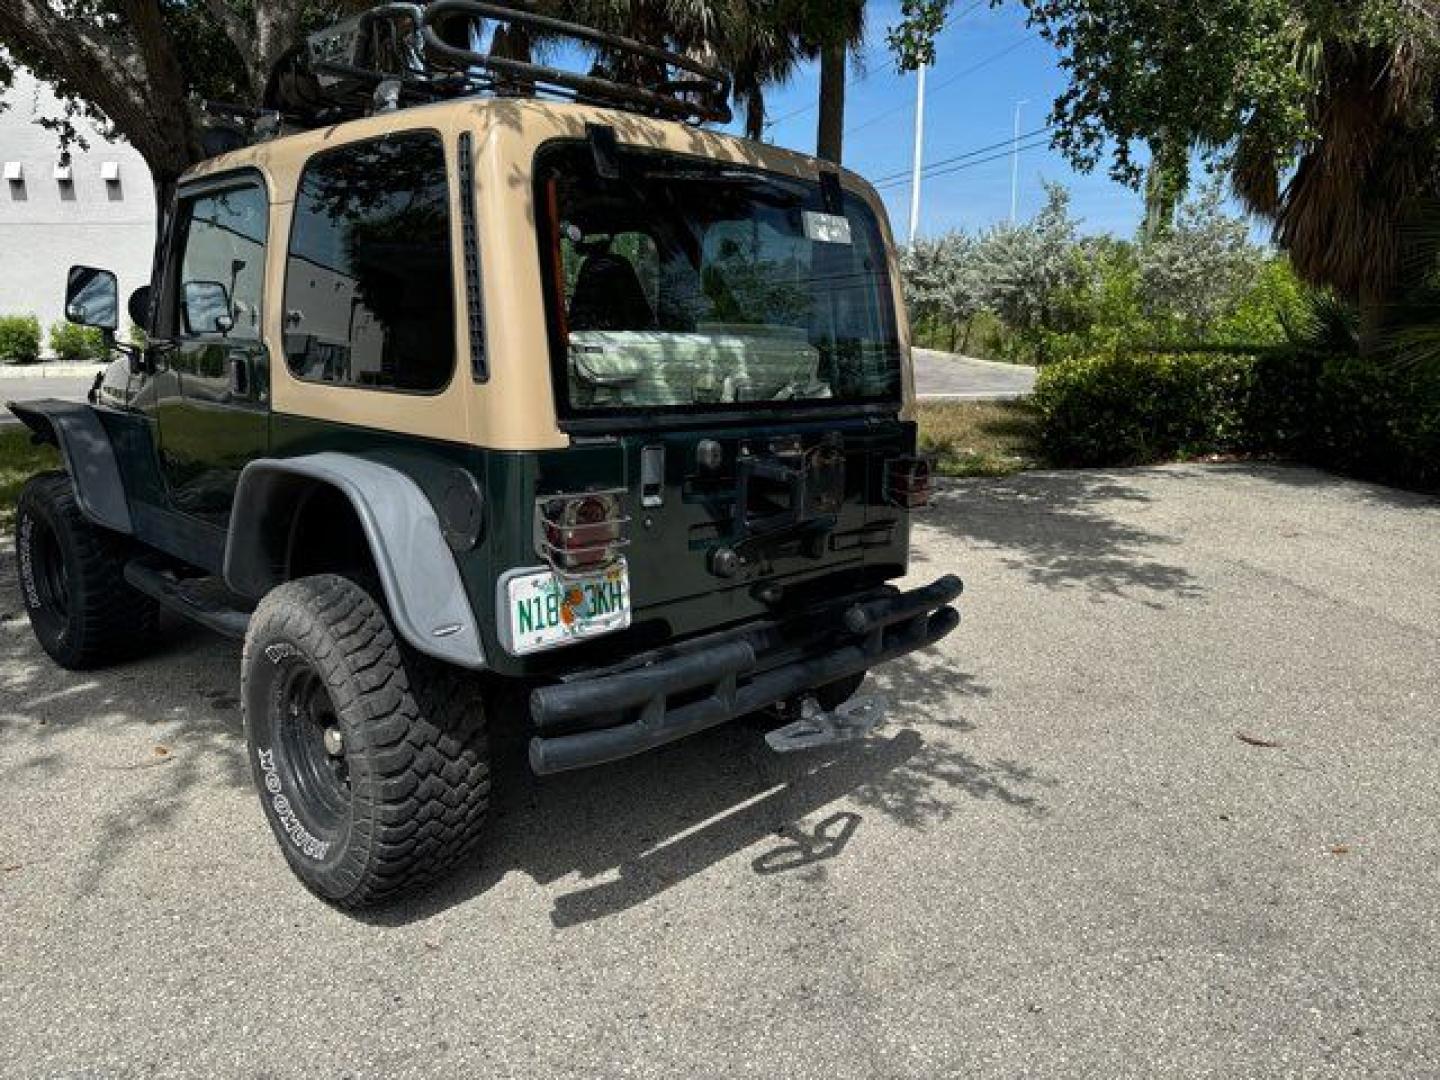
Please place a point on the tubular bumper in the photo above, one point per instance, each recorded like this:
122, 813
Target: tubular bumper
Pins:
603, 716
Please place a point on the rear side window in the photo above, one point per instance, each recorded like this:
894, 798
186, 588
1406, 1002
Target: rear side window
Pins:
369, 296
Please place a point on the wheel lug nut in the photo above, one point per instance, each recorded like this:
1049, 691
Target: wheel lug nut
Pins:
334, 742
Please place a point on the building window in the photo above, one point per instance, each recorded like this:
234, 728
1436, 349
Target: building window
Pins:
369, 295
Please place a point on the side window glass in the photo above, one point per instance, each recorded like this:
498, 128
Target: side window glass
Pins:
369, 295
222, 266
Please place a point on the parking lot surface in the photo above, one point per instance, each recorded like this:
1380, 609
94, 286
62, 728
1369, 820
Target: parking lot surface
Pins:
945, 376
1166, 805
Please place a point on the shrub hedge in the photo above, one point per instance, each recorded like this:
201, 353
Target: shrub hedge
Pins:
76, 344
1357, 415
19, 339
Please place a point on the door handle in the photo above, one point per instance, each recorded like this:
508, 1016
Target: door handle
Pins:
239, 375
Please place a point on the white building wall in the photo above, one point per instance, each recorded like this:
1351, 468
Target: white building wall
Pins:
46, 226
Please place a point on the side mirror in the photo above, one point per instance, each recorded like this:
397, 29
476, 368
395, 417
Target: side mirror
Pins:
139, 309
206, 308
92, 298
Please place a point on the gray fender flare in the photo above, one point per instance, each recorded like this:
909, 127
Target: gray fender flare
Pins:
89, 457
427, 599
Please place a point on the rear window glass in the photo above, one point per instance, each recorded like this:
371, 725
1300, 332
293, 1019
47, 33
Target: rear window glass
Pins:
369, 295
685, 285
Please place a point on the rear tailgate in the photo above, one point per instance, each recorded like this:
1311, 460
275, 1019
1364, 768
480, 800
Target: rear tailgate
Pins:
691, 537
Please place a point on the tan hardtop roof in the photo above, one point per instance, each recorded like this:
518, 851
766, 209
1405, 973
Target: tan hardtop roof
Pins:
522, 113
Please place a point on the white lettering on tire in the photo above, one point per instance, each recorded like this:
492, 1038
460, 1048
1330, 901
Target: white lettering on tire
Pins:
304, 841
278, 654
27, 562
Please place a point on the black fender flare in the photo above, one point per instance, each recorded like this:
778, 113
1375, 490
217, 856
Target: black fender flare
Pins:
89, 457
423, 589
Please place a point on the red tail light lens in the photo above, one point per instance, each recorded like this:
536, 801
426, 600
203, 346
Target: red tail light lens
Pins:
909, 482
580, 534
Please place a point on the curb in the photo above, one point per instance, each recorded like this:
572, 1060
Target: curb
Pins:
50, 371
982, 395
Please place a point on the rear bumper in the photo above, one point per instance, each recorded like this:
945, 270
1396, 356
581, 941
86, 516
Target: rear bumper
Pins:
648, 701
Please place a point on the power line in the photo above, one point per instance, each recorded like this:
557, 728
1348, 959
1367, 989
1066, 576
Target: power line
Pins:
951, 81
971, 70
984, 63
904, 174
1016, 149
950, 21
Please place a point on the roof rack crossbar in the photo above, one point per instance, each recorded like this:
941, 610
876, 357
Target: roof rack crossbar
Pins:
710, 87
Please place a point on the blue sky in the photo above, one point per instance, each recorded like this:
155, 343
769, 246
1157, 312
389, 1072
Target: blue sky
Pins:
985, 63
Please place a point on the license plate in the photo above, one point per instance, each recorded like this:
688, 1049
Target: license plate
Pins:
545, 610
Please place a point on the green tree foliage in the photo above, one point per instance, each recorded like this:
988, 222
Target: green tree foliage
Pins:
1321, 112
19, 339
1198, 271
1048, 293
1026, 269
76, 344
942, 285
136, 67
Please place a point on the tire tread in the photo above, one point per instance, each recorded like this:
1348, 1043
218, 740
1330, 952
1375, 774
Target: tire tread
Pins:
423, 791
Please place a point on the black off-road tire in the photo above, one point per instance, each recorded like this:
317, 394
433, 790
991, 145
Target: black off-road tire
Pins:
402, 800
72, 580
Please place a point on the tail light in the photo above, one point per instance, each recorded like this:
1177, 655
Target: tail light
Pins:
909, 482
580, 534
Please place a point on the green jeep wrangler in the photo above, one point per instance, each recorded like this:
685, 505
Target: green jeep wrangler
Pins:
453, 389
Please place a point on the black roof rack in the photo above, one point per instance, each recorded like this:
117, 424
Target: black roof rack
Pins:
401, 54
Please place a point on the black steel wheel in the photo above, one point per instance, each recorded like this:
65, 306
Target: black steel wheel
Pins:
72, 580
371, 762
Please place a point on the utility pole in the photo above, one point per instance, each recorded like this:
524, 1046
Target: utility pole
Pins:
919, 155
1015, 165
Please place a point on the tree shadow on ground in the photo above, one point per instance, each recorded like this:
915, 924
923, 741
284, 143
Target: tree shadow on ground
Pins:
1311, 479
1059, 529
630, 831
166, 717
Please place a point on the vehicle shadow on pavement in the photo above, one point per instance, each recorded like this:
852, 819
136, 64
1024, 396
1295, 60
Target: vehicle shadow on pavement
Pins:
1056, 528
634, 829
629, 831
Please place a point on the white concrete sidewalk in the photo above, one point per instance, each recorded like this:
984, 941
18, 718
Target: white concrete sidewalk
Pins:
48, 370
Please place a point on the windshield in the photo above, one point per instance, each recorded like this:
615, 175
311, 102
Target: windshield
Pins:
685, 285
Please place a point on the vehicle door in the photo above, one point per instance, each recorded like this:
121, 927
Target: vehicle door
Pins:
213, 407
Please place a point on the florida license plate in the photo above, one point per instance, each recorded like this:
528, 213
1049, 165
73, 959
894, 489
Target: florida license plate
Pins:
545, 610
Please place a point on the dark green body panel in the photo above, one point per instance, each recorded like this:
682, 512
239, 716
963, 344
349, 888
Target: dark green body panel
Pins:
208, 431
674, 592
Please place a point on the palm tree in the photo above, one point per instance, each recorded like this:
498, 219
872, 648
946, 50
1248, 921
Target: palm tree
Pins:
831, 30
1367, 170
760, 50
759, 42
754, 40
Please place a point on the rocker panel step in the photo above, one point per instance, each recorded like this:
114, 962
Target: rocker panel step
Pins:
200, 600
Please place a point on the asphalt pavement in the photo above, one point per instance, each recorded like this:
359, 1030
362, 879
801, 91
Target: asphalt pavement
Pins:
944, 376
1164, 806
71, 384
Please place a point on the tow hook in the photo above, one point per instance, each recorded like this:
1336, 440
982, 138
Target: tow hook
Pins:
853, 720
